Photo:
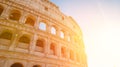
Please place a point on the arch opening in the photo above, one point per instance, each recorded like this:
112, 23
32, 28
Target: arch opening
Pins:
52, 49
16, 65
30, 21
40, 45
62, 34
15, 15
37, 66
53, 30
24, 39
42, 26
63, 52
1, 9
6, 35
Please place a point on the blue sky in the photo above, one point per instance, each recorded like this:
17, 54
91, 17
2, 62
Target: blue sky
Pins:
100, 24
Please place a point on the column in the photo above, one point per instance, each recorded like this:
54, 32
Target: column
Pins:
23, 17
68, 53
66, 35
58, 52
37, 23
32, 44
58, 32
6, 12
6, 63
48, 28
15, 37
47, 47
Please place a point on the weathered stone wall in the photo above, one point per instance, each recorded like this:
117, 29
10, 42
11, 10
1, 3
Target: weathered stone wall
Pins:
34, 33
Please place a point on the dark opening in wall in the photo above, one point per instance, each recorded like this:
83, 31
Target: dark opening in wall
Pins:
24, 39
40, 43
37, 66
6, 35
52, 49
30, 21
16, 65
46, 8
15, 15
63, 52
1, 9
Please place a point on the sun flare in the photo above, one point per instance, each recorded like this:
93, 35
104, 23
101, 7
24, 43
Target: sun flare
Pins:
105, 47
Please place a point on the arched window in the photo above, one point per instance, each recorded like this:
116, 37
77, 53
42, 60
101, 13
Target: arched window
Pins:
16, 65
61, 34
63, 52
1, 9
40, 43
37, 66
30, 21
53, 30
15, 15
52, 49
24, 39
42, 26
6, 35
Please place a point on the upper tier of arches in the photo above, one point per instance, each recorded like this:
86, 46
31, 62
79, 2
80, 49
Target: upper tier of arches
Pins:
31, 20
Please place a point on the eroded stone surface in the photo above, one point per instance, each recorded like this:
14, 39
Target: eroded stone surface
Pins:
34, 33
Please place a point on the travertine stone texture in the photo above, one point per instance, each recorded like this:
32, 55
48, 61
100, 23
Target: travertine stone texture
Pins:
35, 33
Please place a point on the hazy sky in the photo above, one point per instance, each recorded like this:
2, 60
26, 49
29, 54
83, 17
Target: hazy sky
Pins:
100, 24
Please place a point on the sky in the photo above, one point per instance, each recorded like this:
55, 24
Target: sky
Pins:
100, 24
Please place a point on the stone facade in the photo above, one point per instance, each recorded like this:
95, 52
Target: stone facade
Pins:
34, 33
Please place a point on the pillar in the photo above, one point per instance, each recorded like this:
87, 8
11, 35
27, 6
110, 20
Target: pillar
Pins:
37, 23
23, 17
14, 40
5, 13
48, 28
32, 44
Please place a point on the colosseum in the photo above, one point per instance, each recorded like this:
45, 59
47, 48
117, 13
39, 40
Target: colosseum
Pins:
35, 33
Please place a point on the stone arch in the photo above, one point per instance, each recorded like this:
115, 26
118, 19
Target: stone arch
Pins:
30, 20
53, 30
53, 48
1, 9
40, 45
24, 39
62, 34
42, 25
17, 65
63, 51
15, 15
56, 28
37, 66
6, 34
